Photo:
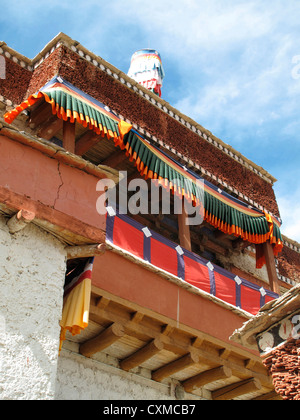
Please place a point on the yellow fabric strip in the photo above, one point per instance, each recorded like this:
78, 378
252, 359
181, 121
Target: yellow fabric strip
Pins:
75, 316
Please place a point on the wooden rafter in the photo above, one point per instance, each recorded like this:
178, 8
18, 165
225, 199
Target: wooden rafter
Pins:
217, 366
115, 159
178, 365
219, 235
103, 340
50, 128
20, 220
237, 389
206, 242
88, 140
240, 244
207, 377
40, 114
102, 302
85, 251
142, 355
268, 397
175, 344
137, 317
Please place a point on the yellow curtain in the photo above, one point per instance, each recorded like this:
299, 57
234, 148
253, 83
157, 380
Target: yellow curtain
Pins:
76, 304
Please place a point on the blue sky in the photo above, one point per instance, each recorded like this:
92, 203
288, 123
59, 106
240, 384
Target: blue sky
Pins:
231, 65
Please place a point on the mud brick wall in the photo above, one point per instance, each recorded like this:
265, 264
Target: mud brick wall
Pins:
15, 83
284, 366
289, 264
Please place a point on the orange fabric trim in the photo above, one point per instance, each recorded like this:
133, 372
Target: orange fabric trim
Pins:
10, 116
64, 115
124, 128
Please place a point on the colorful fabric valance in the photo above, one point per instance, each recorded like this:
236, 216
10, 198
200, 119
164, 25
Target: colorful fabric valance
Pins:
70, 103
220, 209
77, 296
147, 245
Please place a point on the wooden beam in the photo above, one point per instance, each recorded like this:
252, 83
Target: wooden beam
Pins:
62, 224
142, 355
203, 241
69, 136
115, 159
167, 330
20, 220
271, 267
224, 353
137, 317
178, 365
250, 364
197, 342
85, 251
218, 234
207, 377
184, 229
105, 339
40, 114
270, 396
50, 128
236, 390
102, 302
86, 142
177, 345
240, 244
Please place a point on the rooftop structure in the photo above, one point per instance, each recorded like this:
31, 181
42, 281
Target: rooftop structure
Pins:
146, 68
154, 300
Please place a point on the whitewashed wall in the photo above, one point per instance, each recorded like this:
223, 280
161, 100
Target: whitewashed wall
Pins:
245, 262
79, 378
32, 271
32, 274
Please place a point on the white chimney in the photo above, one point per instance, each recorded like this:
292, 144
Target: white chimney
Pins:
146, 68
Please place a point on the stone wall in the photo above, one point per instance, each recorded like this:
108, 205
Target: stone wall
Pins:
32, 272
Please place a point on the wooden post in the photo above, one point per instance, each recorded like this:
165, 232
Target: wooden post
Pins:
69, 136
271, 267
184, 229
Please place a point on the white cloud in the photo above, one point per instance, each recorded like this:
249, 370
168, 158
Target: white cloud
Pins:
192, 25
289, 205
